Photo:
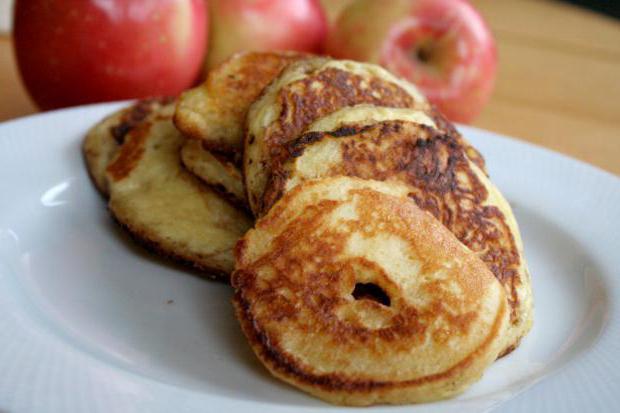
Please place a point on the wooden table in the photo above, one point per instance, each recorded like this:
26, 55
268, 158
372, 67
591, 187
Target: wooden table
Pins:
558, 83
559, 78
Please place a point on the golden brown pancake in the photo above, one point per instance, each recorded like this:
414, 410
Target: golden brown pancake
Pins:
214, 170
165, 207
349, 291
103, 140
367, 114
215, 111
440, 178
306, 91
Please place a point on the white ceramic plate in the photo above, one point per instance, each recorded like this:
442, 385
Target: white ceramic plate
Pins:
91, 323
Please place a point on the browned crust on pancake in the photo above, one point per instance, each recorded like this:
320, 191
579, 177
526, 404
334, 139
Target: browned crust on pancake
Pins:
433, 163
130, 118
270, 352
320, 292
135, 115
154, 247
234, 92
444, 125
215, 264
132, 150
129, 157
304, 105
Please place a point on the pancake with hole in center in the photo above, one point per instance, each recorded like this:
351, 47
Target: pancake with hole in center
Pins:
308, 90
103, 140
350, 292
166, 208
440, 178
215, 111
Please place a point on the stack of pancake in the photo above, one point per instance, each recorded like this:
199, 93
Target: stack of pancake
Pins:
383, 266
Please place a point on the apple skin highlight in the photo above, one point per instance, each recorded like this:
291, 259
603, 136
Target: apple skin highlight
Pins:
443, 46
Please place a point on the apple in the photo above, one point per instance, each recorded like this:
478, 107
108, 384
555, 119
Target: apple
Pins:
332, 8
263, 25
71, 52
442, 46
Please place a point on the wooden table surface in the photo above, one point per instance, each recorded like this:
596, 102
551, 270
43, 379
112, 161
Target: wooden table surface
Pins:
558, 84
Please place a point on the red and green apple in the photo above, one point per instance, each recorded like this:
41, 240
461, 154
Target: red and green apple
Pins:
443, 46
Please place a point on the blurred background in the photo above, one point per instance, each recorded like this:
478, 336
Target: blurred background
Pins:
558, 75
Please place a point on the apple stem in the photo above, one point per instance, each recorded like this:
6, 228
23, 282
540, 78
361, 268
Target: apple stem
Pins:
423, 53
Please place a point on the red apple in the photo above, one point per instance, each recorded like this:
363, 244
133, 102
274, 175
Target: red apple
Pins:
264, 25
443, 46
71, 52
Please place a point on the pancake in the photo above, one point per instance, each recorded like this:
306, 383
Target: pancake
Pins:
306, 91
367, 115
166, 208
215, 111
214, 170
103, 140
440, 178
350, 292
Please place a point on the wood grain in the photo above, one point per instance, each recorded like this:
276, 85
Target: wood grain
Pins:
558, 83
14, 100
559, 78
